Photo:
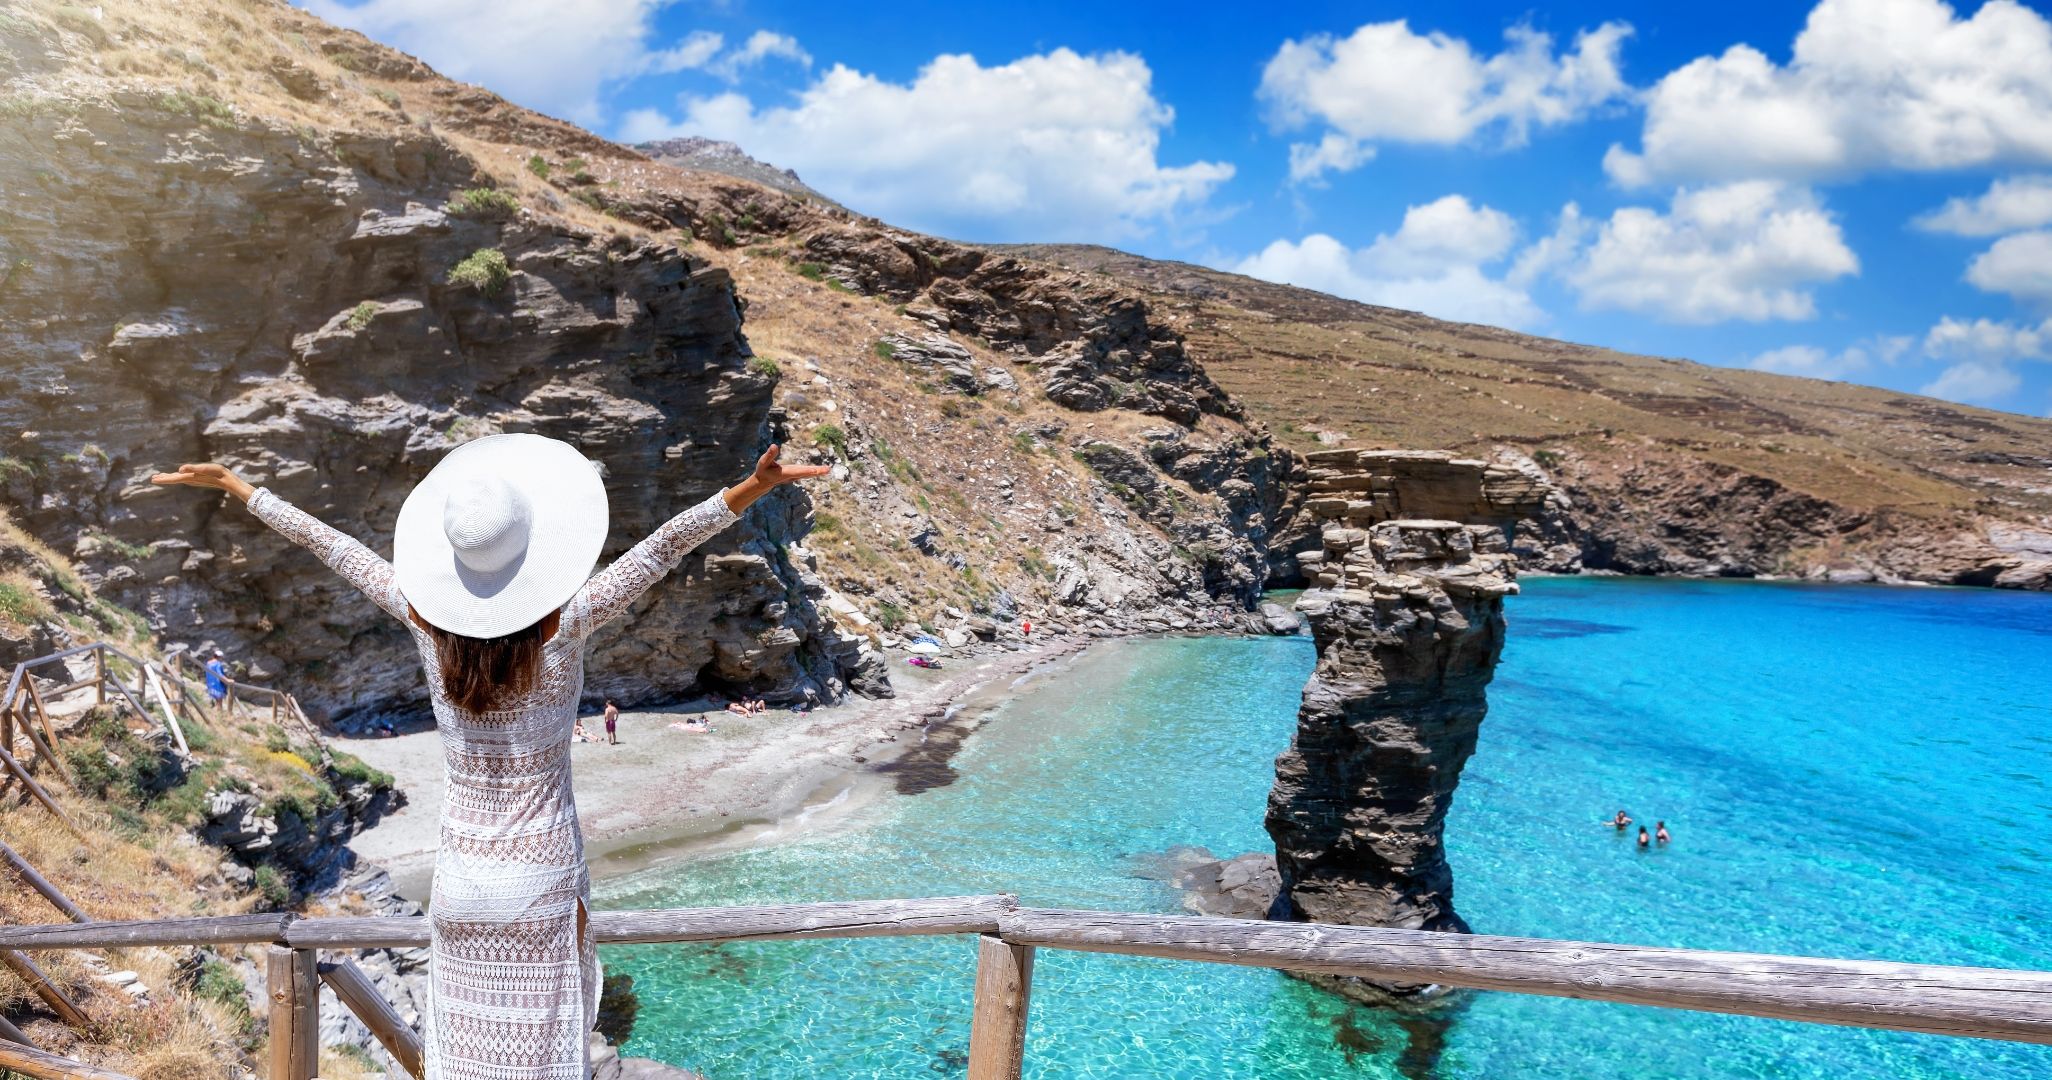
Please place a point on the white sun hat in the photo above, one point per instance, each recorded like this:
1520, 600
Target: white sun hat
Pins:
499, 534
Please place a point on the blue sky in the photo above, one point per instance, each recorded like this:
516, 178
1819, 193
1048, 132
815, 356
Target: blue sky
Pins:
1861, 189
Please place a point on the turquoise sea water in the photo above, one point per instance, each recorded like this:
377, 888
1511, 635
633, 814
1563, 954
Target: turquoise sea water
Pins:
1856, 772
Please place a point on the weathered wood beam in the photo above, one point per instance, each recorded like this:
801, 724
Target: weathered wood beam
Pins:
360, 996
43, 1065
215, 930
35, 789
1986, 1003
53, 995
38, 882
295, 1029
997, 1029
14, 1034
47, 741
840, 919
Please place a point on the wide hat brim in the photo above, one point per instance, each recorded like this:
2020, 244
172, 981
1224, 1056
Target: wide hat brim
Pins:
567, 502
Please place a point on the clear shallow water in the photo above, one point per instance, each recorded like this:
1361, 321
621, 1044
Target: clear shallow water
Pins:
1852, 772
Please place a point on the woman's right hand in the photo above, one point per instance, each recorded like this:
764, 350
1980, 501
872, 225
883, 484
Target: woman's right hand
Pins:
207, 475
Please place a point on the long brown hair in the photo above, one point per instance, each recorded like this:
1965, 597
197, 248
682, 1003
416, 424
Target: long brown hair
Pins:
482, 674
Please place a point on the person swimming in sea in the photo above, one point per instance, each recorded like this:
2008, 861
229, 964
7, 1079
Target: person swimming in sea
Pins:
1644, 840
1620, 822
1660, 832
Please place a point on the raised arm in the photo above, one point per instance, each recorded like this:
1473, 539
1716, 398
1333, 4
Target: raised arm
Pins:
612, 590
353, 562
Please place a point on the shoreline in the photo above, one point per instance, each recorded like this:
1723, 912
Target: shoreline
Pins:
661, 793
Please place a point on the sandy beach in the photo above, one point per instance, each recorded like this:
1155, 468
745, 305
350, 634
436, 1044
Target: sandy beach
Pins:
662, 791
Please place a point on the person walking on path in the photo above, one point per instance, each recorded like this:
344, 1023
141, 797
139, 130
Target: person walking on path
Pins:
217, 678
612, 723
491, 575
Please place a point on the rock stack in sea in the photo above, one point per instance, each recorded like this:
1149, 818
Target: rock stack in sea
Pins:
1406, 607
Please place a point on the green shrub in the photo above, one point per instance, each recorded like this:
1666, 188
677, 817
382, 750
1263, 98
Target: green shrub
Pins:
210, 111
489, 204
111, 763
13, 467
831, 437
885, 349
361, 315
390, 99
890, 616
811, 271
120, 547
484, 270
271, 884
764, 366
826, 524
20, 605
1024, 442
538, 166
1547, 459
358, 771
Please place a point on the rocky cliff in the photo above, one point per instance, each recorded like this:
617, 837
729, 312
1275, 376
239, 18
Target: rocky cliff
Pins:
244, 235
1658, 466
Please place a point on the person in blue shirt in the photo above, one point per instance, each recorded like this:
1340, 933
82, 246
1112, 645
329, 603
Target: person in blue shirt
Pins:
217, 678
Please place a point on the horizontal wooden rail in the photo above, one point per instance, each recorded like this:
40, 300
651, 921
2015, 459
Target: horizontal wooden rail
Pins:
1978, 1002
210, 930
1988, 1003
839, 919
43, 1065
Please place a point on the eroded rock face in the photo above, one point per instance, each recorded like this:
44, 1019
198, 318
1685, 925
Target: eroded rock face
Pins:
280, 300
1407, 613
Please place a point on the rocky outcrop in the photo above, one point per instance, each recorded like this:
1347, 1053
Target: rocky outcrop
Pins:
1407, 613
288, 300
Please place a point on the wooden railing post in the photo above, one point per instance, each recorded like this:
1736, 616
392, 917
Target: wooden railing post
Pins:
295, 993
997, 1033
99, 677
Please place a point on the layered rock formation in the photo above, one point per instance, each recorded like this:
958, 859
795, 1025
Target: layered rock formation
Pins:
204, 282
1660, 466
1407, 611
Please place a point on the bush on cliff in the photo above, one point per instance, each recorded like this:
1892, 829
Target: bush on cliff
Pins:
484, 270
488, 204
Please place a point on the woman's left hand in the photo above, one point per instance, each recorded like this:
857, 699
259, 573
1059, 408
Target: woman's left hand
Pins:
770, 472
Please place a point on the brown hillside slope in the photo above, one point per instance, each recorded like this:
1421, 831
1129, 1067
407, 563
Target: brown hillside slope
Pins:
1667, 466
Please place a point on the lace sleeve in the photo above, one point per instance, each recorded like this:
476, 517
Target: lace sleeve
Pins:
356, 564
611, 590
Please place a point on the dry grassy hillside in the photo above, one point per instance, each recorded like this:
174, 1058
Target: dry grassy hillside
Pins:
1878, 470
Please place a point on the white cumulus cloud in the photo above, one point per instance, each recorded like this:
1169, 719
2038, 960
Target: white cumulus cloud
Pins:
761, 45
2019, 265
1871, 84
1977, 382
1386, 82
1750, 250
1816, 363
551, 55
1051, 146
556, 56
1983, 351
1433, 263
2009, 205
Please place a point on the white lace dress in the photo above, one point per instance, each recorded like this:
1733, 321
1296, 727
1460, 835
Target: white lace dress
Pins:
514, 977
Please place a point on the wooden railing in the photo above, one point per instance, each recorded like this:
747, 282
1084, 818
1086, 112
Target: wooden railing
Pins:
1986, 1003
23, 706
